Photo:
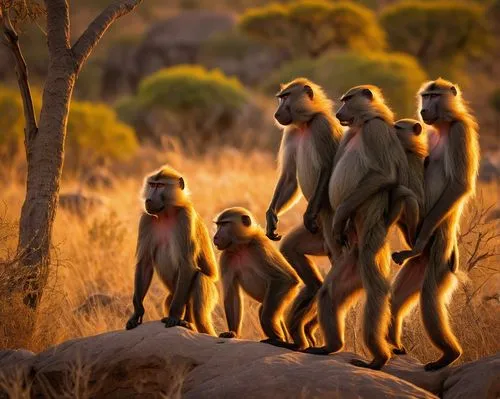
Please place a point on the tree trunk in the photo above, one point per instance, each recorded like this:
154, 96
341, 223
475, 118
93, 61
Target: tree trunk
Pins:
45, 156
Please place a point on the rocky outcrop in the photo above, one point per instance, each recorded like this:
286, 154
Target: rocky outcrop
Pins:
152, 361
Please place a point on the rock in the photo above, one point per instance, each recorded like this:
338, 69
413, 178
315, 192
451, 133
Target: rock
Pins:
80, 204
152, 361
99, 300
479, 379
177, 40
493, 215
11, 357
488, 170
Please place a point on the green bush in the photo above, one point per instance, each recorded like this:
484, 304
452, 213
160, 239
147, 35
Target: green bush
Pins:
398, 75
439, 33
189, 102
313, 27
94, 131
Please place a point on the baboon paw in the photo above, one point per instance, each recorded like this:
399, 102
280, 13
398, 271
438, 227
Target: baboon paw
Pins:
228, 334
442, 362
280, 344
321, 350
133, 322
400, 351
373, 365
171, 322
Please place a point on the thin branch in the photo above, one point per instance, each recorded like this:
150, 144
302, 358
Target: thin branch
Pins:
89, 39
58, 32
11, 40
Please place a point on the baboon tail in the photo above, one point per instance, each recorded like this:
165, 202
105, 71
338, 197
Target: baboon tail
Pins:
204, 299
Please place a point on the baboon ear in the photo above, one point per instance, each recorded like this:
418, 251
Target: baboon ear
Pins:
417, 129
308, 89
181, 183
368, 94
454, 90
245, 219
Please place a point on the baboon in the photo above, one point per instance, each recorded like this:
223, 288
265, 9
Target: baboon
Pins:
250, 262
406, 203
450, 179
370, 149
174, 241
310, 139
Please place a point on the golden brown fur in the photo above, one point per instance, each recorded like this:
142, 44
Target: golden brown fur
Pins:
174, 242
369, 150
311, 136
450, 178
249, 262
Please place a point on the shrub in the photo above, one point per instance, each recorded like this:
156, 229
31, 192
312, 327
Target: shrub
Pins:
399, 76
94, 131
189, 102
439, 33
313, 27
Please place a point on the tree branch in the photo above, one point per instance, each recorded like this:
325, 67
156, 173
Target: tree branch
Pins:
89, 39
11, 40
58, 32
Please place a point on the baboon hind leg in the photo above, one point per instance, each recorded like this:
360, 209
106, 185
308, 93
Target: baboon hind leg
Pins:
439, 283
296, 248
374, 261
339, 292
405, 293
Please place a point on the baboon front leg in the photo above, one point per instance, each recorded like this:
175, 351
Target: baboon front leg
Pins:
271, 312
202, 304
339, 292
374, 260
437, 286
296, 319
405, 292
143, 277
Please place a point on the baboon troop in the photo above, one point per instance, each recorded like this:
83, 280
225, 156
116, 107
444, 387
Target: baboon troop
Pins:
358, 184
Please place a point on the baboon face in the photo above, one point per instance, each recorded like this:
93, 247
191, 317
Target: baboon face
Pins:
352, 102
161, 192
434, 100
291, 102
407, 127
230, 228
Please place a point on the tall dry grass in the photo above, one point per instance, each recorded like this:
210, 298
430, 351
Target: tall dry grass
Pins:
95, 255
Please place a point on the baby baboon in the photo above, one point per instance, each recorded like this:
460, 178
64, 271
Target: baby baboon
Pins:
311, 136
450, 179
370, 149
250, 262
174, 241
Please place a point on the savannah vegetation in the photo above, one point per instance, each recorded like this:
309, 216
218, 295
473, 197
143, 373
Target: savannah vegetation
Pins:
216, 128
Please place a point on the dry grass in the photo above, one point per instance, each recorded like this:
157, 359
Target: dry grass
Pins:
96, 255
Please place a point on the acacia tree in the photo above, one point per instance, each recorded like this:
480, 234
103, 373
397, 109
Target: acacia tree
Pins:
44, 141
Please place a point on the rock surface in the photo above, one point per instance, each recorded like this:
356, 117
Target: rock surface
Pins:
152, 361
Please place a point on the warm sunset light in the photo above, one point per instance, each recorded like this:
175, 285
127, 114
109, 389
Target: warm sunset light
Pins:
288, 199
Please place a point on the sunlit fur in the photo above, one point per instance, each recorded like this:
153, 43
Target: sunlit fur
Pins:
370, 149
309, 143
250, 261
303, 108
360, 108
175, 242
451, 172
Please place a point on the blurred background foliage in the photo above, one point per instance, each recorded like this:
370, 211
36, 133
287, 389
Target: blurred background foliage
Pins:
204, 72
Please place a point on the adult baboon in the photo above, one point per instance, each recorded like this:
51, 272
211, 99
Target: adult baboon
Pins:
450, 179
369, 151
174, 241
310, 139
250, 262
406, 203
